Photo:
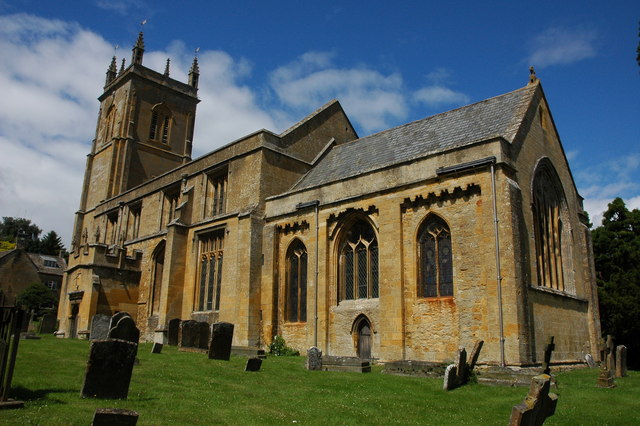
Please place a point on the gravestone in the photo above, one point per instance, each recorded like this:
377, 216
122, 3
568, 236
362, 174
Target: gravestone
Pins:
548, 350
109, 369
156, 348
47, 324
537, 405
314, 359
204, 335
221, 338
475, 354
125, 329
461, 366
621, 361
99, 327
590, 362
114, 417
173, 332
189, 334
116, 317
450, 378
605, 379
253, 364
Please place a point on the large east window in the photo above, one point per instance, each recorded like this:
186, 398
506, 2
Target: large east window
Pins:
210, 271
435, 264
358, 268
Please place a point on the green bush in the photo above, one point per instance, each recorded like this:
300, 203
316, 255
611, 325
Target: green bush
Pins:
279, 348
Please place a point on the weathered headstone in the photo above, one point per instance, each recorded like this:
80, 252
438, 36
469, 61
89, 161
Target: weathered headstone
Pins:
621, 361
99, 327
450, 378
173, 332
204, 335
605, 379
221, 339
125, 329
548, 350
109, 369
114, 417
461, 366
189, 334
475, 354
314, 359
253, 364
537, 405
611, 354
590, 362
47, 324
156, 348
116, 317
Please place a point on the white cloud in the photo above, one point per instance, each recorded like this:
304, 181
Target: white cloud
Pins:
120, 6
559, 46
437, 96
373, 101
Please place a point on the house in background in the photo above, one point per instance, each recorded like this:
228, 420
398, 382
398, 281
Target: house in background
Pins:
19, 269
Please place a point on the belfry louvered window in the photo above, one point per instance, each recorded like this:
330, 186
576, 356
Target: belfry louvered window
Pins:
210, 274
359, 274
435, 261
296, 309
160, 125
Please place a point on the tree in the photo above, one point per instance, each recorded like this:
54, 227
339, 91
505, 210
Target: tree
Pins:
51, 244
616, 247
37, 297
10, 226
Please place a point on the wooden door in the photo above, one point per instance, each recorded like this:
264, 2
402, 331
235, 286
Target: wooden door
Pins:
364, 340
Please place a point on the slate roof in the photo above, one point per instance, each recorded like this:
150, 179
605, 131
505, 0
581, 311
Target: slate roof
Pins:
39, 262
500, 116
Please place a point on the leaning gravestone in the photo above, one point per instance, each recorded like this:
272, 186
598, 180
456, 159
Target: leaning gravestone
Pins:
156, 348
475, 354
590, 362
47, 324
621, 361
125, 329
548, 350
253, 364
221, 338
314, 359
450, 378
114, 417
99, 327
173, 332
109, 369
455, 375
537, 405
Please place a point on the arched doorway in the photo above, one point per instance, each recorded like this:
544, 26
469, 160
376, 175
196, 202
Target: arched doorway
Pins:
363, 337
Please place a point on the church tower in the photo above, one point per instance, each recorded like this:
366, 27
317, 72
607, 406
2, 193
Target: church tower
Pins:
145, 128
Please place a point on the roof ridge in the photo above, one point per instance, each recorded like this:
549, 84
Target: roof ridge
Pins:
308, 117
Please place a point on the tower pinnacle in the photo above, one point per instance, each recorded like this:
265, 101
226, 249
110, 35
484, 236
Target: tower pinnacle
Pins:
138, 50
111, 72
194, 73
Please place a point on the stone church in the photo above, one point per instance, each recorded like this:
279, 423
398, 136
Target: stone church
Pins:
405, 244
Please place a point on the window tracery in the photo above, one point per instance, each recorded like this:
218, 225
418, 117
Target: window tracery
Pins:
296, 281
359, 263
435, 260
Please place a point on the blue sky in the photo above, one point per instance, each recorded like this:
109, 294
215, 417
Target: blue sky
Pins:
268, 64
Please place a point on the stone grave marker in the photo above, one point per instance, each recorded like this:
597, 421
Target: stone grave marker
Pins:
475, 354
537, 405
548, 350
173, 332
99, 327
109, 369
314, 359
188, 334
611, 354
116, 317
461, 366
114, 417
253, 364
221, 338
621, 361
125, 329
47, 324
605, 379
156, 348
590, 362
450, 378
204, 335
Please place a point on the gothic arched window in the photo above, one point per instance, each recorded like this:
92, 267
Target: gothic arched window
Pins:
160, 127
158, 268
296, 294
552, 235
358, 267
435, 261
210, 271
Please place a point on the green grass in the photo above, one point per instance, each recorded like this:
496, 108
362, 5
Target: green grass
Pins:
187, 388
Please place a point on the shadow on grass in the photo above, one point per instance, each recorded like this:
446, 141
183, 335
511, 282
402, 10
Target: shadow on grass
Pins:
24, 394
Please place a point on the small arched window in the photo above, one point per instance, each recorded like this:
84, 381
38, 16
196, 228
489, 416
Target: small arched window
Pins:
158, 268
296, 308
160, 127
358, 268
435, 261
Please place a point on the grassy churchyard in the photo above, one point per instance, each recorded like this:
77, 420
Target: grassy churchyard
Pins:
187, 388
